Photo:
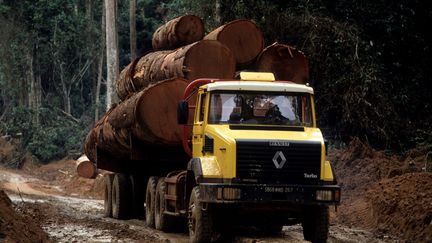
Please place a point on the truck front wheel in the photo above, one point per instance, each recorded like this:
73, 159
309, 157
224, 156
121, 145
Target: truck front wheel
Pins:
107, 194
199, 219
121, 196
150, 201
316, 224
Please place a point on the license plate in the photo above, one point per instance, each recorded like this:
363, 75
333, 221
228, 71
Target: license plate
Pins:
273, 189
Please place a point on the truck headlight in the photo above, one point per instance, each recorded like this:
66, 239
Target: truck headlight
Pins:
324, 195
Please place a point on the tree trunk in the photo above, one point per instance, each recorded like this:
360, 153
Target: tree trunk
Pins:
178, 32
89, 13
203, 59
111, 51
218, 12
65, 91
100, 68
23, 92
149, 116
38, 98
132, 29
91, 42
242, 37
285, 62
35, 94
98, 85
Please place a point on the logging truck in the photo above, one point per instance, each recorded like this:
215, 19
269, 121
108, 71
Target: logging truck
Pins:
252, 156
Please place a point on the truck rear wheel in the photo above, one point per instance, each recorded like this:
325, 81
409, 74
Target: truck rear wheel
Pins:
199, 219
316, 224
108, 195
162, 221
150, 201
121, 196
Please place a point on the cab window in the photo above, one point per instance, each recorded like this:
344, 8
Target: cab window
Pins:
291, 109
202, 107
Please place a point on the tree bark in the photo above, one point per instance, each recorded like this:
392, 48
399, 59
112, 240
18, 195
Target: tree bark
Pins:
91, 41
111, 51
149, 116
35, 94
242, 37
218, 12
132, 29
203, 59
285, 62
98, 85
100, 67
178, 32
65, 89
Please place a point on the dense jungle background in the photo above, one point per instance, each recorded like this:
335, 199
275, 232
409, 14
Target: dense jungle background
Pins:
369, 61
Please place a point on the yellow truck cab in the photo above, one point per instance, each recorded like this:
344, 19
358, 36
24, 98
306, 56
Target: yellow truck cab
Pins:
257, 158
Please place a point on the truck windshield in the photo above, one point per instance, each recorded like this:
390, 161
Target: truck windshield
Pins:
292, 109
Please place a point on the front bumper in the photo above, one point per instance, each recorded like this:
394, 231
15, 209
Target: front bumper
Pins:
267, 193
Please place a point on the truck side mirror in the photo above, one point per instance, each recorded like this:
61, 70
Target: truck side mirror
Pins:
182, 112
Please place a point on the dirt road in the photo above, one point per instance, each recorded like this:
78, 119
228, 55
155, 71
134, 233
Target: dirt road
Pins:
68, 219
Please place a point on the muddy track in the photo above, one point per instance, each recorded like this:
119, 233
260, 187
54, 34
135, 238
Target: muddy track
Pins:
68, 219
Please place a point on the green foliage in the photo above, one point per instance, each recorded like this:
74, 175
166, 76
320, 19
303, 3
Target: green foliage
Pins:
369, 62
19, 124
51, 139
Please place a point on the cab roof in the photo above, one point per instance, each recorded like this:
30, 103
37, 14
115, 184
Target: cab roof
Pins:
273, 86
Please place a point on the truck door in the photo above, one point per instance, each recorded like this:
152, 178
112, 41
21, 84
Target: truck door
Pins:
198, 127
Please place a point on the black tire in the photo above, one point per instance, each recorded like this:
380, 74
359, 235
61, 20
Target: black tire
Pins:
150, 201
108, 178
121, 196
163, 221
199, 219
138, 193
316, 224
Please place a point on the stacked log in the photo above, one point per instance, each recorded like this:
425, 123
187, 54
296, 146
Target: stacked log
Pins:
242, 37
149, 116
198, 60
285, 62
151, 86
178, 32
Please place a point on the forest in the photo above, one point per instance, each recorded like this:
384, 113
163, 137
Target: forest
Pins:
369, 64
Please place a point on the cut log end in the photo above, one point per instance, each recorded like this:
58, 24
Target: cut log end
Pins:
157, 109
180, 31
209, 59
85, 168
189, 29
285, 62
242, 37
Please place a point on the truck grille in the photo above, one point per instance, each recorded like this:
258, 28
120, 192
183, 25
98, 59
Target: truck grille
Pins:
255, 161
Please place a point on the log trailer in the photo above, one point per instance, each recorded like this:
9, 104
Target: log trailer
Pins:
255, 158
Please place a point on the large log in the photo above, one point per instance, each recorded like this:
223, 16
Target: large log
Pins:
178, 32
149, 116
203, 59
285, 62
242, 37
85, 168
